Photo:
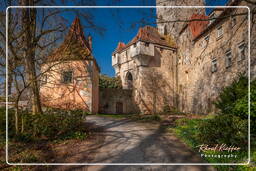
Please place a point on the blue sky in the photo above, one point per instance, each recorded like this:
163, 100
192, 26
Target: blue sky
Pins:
118, 27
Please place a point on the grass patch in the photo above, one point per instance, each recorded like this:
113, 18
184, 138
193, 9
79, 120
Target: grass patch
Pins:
187, 130
115, 115
135, 117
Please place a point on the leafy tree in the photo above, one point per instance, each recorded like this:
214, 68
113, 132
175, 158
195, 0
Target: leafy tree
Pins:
110, 82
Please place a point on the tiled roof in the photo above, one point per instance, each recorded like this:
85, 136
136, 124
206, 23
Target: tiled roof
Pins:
148, 34
197, 27
221, 16
120, 46
74, 46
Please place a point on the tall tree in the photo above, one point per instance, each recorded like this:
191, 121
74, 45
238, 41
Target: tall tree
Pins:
29, 36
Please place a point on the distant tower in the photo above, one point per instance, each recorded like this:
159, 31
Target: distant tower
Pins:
174, 14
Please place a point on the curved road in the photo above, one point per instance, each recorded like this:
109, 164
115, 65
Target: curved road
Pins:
127, 141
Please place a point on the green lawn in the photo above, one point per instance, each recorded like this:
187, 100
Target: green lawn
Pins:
186, 130
137, 117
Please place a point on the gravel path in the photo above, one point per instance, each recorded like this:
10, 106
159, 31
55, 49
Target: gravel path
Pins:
127, 141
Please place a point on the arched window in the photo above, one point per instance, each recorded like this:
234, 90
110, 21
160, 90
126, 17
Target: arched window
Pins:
129, 80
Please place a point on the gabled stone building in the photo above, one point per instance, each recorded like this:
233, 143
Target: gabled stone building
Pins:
71, 74
207, 52
146, 65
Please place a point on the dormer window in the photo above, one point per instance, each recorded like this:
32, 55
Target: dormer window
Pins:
67, 77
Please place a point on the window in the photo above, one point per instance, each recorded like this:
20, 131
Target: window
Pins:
135, 44
241, 51
146, 44
206, 41
44, 79
228, 59
67, 77
129, 80
219, 32
212, 18
233, 21
214, 65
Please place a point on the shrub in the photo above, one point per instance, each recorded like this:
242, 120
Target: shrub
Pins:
225, 128
231, 125
230, 94
53, 124
233, 100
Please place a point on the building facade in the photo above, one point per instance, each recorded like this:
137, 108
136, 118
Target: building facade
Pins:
71, 74
146, 65
210, 52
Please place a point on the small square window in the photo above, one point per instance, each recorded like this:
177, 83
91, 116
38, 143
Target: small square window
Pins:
241, 51
228, 59
67, 77
146, 44
219, 32
214, 65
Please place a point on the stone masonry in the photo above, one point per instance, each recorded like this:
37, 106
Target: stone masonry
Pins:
202, 54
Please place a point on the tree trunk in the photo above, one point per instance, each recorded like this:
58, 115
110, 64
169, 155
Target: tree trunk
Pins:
29, 25
17, 117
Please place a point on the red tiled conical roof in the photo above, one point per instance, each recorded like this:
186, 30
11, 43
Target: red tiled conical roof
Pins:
74, 46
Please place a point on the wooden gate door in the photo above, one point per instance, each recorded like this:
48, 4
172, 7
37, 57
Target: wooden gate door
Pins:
119, 107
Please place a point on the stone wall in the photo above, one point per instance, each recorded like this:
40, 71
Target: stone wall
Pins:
117, 101
198, 85
155, 84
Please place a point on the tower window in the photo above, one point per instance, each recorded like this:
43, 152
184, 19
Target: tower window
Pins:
67, 77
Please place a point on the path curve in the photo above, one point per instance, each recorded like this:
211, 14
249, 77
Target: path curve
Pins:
127, 141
